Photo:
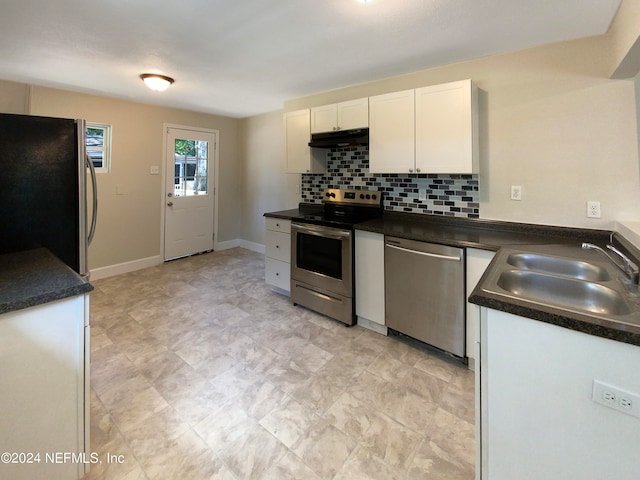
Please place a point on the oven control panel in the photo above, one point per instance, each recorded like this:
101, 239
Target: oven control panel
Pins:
371, 198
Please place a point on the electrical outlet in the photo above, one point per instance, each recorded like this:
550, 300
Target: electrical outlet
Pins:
154, 170
297, 188
422, 194
516, 192
593, 209
616, 398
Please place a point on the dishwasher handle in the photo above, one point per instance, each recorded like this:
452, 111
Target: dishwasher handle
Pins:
426, 254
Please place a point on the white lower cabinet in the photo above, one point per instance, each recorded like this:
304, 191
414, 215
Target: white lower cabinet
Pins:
278, 254
537, 416
369, 268
477, 263
44, 390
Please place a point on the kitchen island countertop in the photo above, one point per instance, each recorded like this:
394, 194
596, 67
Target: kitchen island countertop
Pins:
35, 277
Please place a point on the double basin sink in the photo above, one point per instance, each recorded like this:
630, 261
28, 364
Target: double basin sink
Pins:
565, 278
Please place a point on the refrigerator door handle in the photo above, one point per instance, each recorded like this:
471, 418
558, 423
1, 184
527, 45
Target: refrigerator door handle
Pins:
94, 185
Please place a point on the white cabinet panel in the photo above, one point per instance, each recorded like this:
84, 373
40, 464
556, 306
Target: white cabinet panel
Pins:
446, 128
42, 380
324, 118
537, 383
369, 248
392, 133
278, 253
278, 225
278, 273
278, 245
298, 154
353, 114
477, 263
340, 116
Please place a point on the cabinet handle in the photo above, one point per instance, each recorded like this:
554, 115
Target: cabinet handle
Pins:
278, 225
277, 274
277, 246
411, 170
418, 170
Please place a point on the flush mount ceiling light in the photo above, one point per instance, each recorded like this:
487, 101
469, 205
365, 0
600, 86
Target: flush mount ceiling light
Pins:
156, 82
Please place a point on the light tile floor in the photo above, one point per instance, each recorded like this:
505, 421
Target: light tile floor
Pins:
200, 371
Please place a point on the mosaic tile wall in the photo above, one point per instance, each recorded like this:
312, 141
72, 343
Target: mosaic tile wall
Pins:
452, 195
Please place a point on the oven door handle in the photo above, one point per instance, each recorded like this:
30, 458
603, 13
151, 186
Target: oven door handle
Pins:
321, 232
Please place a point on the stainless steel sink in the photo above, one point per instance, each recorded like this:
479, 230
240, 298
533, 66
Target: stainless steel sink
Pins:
566, 267
564, 292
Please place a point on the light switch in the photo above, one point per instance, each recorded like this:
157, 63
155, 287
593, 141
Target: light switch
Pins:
119, 189
154, 170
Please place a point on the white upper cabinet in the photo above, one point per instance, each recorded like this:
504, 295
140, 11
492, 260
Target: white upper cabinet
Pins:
298, 154
446, 128
392, 132
340, 116
427, 130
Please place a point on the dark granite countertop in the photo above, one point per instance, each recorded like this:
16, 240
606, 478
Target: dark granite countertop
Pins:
474, 233
35, 277
303, 208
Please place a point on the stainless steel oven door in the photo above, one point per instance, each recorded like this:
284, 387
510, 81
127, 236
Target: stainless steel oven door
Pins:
322, 257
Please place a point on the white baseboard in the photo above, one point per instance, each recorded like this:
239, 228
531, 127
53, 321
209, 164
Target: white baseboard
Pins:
226, 245
253, 246
132, 266
126, 267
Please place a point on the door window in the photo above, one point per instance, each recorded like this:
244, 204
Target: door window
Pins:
190, 167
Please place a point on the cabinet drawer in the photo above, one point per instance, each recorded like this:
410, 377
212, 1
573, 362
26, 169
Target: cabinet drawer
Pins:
278, 273
278, 245
278, 225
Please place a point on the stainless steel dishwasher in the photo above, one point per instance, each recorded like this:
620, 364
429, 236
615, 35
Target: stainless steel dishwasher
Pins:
425, 292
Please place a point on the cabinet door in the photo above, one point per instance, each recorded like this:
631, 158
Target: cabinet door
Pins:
391, 133
369, 250
477, 263
353, 114
446, 141
297, 134
278, 224
278, 245
324, 118
278, 274
42, 380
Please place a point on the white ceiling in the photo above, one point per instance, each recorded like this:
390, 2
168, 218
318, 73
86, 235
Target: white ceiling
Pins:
245, 57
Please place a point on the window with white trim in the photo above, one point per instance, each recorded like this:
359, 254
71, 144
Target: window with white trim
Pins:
98, 145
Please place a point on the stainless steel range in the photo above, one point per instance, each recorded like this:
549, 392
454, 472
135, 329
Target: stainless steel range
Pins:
322, 252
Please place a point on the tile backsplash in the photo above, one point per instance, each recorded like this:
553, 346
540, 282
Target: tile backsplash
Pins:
451, 195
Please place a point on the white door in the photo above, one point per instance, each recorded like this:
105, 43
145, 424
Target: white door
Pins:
189, 201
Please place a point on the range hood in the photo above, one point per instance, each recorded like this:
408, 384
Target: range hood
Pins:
340, 138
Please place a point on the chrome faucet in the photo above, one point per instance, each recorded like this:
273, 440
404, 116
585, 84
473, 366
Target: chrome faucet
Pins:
629, 268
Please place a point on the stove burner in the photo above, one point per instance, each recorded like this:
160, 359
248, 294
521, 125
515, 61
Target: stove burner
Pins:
345, 208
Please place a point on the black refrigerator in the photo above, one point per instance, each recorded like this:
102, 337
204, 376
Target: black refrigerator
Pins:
43, 188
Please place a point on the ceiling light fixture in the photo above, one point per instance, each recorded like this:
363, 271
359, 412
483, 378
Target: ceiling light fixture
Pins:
156, 82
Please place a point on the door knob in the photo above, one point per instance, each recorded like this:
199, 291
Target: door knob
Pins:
169, 194
170, 204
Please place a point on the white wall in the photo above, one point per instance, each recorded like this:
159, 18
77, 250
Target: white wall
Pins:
265, 186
